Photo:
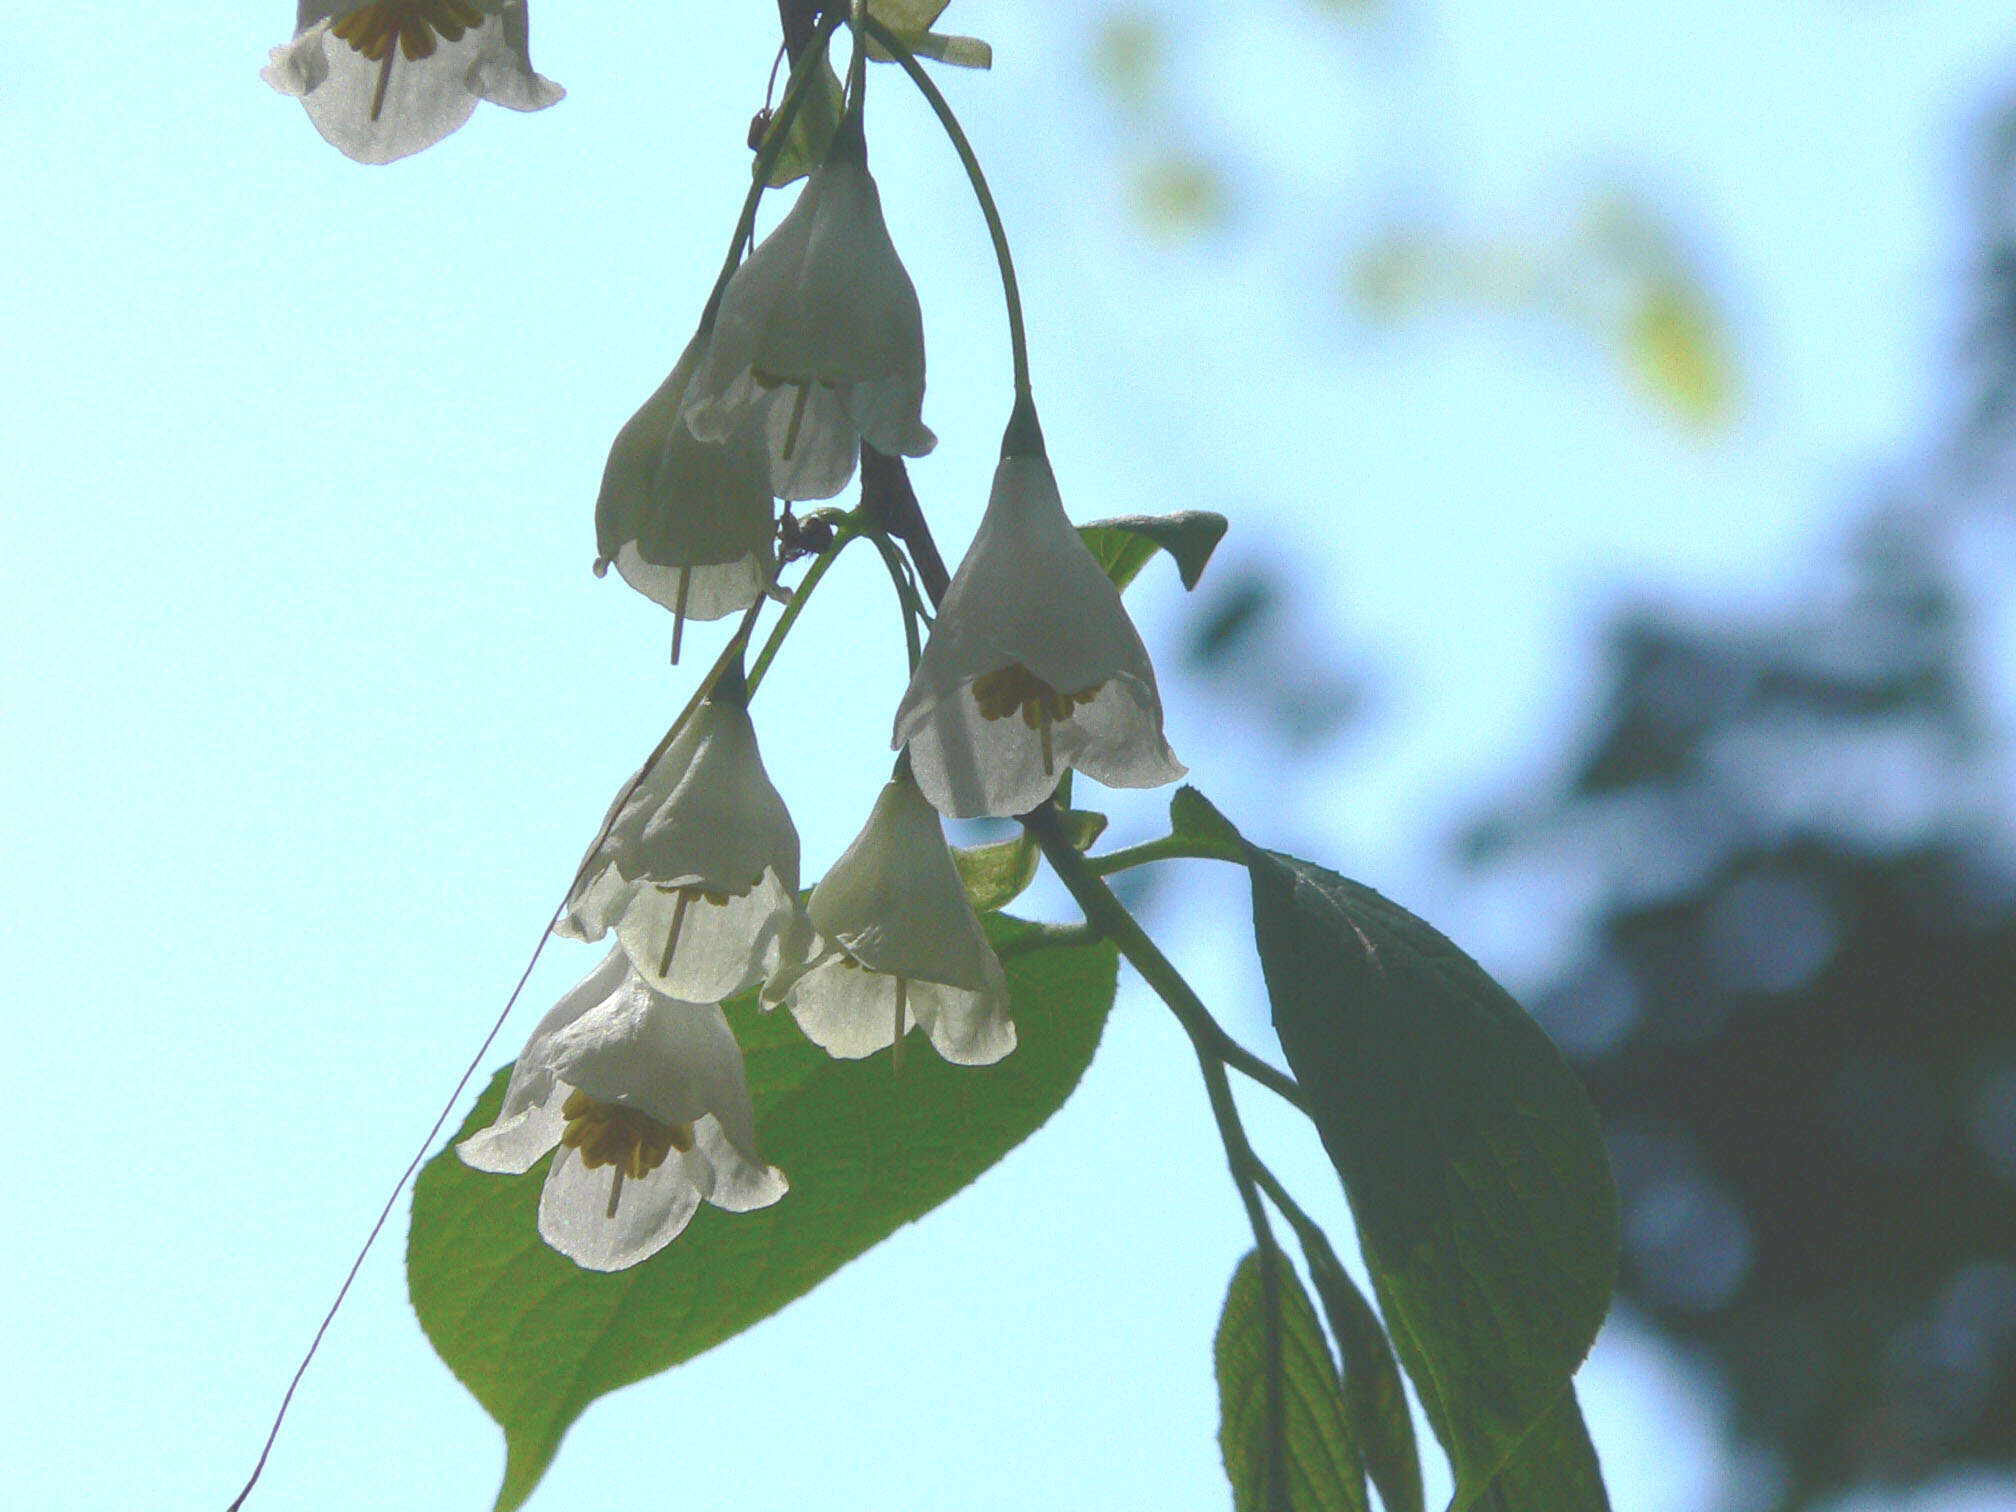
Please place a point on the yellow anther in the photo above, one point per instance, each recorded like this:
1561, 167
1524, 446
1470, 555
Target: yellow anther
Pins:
604, 1134
413, 25
1014, 688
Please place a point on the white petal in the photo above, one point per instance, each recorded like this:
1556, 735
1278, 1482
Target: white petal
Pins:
503, 74
725, 1176
815, 461
598, 901
721, 824
704, 814
894, 899
531, 1109
514, 1143
846, 1010
722, 949
824, 310
967, 1028
672, 506
850, 313
709, 593
424, 98
1029, 593
969, 765
298, 66
674, 1061
885, 412
650, 1213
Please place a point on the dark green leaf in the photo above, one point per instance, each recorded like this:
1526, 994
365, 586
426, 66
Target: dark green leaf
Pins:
1123, 546
1470, 1152
1281, 1424
996, 874
1375, 1403
536, 1339
1554, 1469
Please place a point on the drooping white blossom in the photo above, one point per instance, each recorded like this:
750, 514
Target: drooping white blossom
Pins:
648, 1103
698, 869
898, 945
382, 79
819, 333
689, 524
1032, 666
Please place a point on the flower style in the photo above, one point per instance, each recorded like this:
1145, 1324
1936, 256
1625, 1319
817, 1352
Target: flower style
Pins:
1032, 666
689, 524
819, 332
620, 1076
382, 79
697, 871
899, 945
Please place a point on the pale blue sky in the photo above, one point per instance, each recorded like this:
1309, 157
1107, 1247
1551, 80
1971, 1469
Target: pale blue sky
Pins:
313, 701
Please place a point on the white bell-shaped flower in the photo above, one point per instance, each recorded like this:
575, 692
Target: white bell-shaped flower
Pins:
899, 945
819, 333
697, 871
650, 1088
689, 524
1032, 666
384, 78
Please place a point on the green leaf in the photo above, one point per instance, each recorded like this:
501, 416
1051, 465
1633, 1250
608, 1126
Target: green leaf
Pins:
1281, 1424
1470, 1152
536, 1339
812, 127
1554, 1469
1194, 817
996, 874
1375, 1403
1123, 546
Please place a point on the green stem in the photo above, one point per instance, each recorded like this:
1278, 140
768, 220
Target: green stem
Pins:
842, 534
802, 73
906, 597
1105, 913
1305, 1227
1010, 290
1168, 848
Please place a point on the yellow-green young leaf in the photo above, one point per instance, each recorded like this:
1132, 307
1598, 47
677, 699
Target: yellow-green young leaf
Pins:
1675, 349
906, 15
812, 128
1123, 546
1281, 1413
1179, 194
1130, 57
943, 47
996, 875
536, 1339
1470, 1152
911, 21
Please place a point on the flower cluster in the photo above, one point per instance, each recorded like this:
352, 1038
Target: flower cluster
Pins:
813, 349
